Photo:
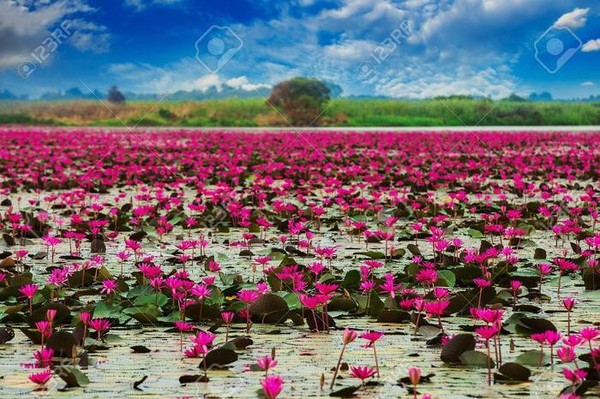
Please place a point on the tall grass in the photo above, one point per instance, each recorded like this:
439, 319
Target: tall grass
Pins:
341, 112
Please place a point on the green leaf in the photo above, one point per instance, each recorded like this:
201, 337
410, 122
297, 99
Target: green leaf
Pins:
351, 279
532, 358
475, 359
109, 310
475, 233
371, 254
527, 227
151, 299
112, 338
376, 305
226, 279
398, 253
412, 269
138, 291
326, 277
292, 300
72, 376
446, 278
144, 314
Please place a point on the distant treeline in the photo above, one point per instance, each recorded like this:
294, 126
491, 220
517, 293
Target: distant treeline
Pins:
442, 111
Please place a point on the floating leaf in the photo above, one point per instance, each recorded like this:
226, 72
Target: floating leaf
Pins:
458, 345
393, 316
6, 334
539, 254
532, 325
351, 279
476, 359
191, 379
512, 372
372, 254
72, 376
446, 278
62, 342
473, 233
533, 358
346, 392
140, 349
219, 358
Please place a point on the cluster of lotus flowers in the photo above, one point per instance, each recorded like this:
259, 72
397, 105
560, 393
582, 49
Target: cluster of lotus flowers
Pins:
439, 227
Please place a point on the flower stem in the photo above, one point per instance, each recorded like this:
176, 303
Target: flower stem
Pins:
337, 367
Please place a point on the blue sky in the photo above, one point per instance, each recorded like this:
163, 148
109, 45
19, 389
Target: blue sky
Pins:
402, 48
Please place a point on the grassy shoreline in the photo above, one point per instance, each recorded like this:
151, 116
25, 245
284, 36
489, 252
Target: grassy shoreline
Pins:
339, 113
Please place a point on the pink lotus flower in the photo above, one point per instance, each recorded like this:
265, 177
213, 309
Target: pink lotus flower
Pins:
266, 363
50, 315
349, 336
574, 376
41, 378
109, 287
569, 303
486, 332
29, 291
272, 386
589, 334
44, 357
371, 337
101, 326
362, 373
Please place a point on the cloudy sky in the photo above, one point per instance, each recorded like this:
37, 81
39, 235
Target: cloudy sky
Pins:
400, 48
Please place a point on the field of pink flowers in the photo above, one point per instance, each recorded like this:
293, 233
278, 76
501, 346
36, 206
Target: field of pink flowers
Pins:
279, 264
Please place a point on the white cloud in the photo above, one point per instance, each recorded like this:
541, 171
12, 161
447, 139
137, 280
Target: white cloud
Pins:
592, 45
140, 5
242, 82
187, 75
588, 84
425, 81
350, 50
447, 35
574, 19
88, 36
25, 25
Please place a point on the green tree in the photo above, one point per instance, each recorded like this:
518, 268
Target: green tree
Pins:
115, 96
300, 99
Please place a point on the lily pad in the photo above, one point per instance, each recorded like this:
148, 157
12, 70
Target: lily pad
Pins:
458, 345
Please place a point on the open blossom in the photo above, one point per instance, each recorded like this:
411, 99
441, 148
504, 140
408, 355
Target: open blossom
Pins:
436, 307
272, 386
29, 290
486, 332
183, 326
99, 325
566, 354
203, 338
590, 333
266, 363
44, 356
41, 378
371, 337
574, 375
109, 287
44, 327
362, 373
248, 296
